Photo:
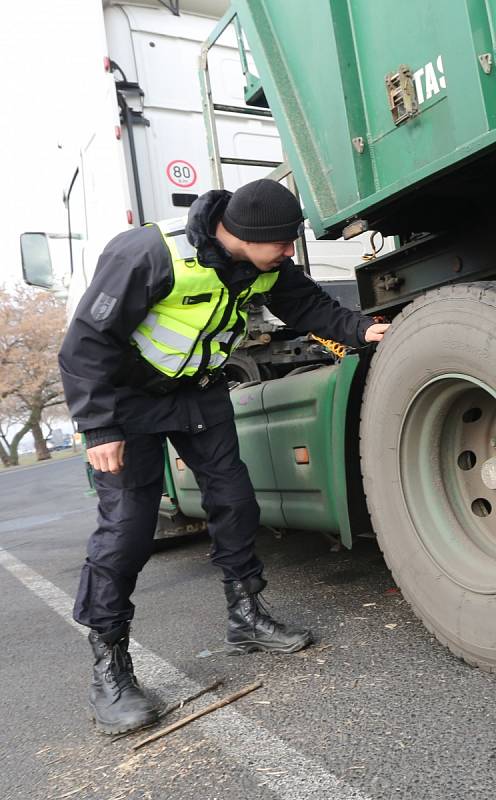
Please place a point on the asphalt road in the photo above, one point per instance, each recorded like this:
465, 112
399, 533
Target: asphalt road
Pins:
376, 709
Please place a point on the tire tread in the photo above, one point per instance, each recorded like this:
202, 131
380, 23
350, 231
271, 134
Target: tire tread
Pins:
482, 291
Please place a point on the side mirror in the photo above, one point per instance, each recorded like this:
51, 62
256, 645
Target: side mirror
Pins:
36, 260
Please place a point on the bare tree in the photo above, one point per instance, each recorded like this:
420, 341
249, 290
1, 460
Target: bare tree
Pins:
31, 330
13, 428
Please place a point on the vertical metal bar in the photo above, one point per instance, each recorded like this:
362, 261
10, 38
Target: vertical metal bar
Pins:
241, 47
306, 261
209, 116
128, 120
207, 101
301, 243
67, 201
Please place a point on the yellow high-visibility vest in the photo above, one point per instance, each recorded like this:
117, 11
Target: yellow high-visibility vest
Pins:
197, 326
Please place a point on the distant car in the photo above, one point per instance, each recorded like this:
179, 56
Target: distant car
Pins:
65, 444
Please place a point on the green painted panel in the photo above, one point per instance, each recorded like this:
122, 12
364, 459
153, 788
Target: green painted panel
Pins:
448, 78
299, 411
323, 67
340, 447
272, 419
273, 51
251, 424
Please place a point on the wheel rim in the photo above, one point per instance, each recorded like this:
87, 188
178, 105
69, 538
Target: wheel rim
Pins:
447, 466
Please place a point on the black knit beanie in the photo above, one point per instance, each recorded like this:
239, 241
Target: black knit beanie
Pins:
263, 211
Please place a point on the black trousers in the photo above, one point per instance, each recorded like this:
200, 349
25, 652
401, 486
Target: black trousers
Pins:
127, 517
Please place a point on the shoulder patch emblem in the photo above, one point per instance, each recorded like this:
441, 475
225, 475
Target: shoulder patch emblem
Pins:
102, 307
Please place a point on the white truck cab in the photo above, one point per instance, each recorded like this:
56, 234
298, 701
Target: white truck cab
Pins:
146, 157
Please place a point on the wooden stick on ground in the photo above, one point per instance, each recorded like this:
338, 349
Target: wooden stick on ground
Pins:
182, 703
186, 720
177, 705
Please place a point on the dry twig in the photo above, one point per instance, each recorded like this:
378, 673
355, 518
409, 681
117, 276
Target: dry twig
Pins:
186, 720
182, 703
170, 709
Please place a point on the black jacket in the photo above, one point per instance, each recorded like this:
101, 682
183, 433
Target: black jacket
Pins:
133, 273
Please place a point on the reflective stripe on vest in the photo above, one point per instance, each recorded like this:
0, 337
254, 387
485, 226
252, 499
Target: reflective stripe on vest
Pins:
199, 323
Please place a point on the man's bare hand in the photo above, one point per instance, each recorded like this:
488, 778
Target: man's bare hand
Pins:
107, 457
376, 332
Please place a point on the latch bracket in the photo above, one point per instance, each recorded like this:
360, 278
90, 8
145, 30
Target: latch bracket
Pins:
486, 62
402, 95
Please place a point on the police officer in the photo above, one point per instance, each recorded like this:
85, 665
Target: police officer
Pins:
142, 359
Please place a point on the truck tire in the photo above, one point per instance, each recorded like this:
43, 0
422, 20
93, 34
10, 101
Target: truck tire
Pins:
428, 455
241, 368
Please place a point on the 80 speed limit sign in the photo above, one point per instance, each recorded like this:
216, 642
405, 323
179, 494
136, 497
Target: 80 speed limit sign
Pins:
181, 173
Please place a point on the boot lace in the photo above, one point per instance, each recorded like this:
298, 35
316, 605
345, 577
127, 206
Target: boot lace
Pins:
262, 604
260, 610
120, 669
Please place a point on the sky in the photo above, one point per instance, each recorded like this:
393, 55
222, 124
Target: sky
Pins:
51, 55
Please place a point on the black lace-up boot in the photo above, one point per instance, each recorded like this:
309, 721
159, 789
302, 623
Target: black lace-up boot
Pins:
250, 627
117, 702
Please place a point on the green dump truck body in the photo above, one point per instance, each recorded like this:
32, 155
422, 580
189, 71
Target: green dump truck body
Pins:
374, 98
386, 111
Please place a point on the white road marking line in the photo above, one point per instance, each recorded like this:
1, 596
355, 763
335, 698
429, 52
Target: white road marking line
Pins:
303, 778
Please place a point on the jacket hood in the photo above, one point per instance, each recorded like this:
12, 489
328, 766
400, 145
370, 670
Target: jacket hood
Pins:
203, 217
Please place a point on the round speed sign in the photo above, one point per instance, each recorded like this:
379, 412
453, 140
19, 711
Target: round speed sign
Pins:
181, 173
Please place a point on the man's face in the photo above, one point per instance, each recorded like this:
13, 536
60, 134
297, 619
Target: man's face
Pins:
268, 255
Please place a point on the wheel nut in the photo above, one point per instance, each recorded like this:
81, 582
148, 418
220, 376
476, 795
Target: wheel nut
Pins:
488, 473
